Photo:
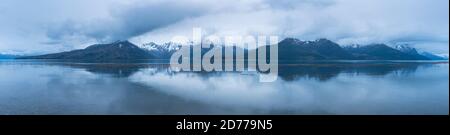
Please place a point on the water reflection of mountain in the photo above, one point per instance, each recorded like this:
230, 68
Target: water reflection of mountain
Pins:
288, 72
324, 72
117, 70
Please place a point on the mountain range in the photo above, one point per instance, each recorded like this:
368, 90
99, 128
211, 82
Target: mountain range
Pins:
289, 49
120, 50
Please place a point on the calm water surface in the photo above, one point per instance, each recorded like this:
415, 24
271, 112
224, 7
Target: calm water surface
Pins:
339, 87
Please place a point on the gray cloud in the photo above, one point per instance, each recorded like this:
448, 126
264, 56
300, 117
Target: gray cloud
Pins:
53, 25
126, 22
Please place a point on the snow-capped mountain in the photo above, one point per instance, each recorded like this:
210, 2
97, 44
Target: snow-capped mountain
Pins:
321, 49
162, 51
445, 56
289, 49
353, 46
433, 56
166, 46
406, 49
412, 51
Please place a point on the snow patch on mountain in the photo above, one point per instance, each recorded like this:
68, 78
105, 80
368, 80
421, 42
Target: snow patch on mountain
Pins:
164, 47
406, 49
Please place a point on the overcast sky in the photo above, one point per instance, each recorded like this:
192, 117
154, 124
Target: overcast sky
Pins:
42, 26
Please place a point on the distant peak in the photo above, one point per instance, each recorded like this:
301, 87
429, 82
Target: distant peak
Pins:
353, 46
323, 40
406, 49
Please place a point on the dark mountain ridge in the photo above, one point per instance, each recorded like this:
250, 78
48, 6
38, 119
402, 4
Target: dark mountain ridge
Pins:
288, 49
322, 49
120, 50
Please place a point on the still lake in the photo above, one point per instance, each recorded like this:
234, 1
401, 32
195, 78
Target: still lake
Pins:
327, 87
